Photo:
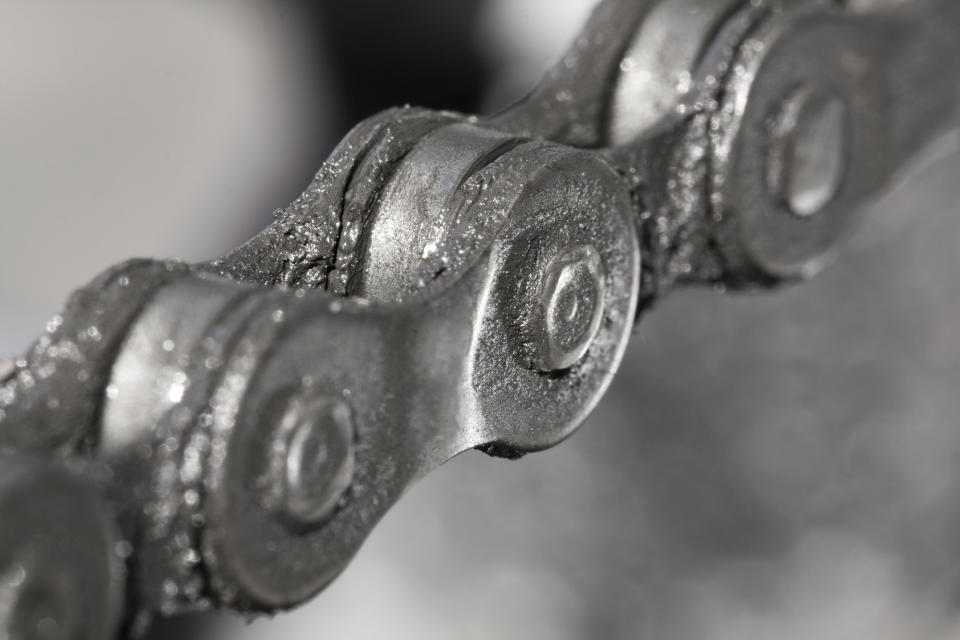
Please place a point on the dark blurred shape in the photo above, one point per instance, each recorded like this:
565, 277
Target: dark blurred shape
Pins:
192, 625
420, 52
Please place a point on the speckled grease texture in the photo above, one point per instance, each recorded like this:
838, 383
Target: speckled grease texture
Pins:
50, 398
312, 242
166, 502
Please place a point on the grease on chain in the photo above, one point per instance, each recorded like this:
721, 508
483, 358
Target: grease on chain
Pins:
527, 244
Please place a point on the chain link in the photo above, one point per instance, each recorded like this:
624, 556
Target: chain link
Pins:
444, 283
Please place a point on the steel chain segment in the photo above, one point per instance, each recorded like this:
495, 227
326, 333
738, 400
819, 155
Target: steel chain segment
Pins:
447, 283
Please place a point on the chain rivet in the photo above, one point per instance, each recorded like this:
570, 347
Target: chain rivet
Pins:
317, 459
809, 151
569, 309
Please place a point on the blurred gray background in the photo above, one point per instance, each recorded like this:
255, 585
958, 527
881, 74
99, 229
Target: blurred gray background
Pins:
777, 466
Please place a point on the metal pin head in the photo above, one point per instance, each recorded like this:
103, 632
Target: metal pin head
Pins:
317, 459
794, 150
569, 309
808, 155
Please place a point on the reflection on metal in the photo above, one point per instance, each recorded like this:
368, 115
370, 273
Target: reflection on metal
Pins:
809, 153
569, 309
445, 283
60, 574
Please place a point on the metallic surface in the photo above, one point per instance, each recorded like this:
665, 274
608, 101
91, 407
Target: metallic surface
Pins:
59, 569
314, 460
569, 309
449, 283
